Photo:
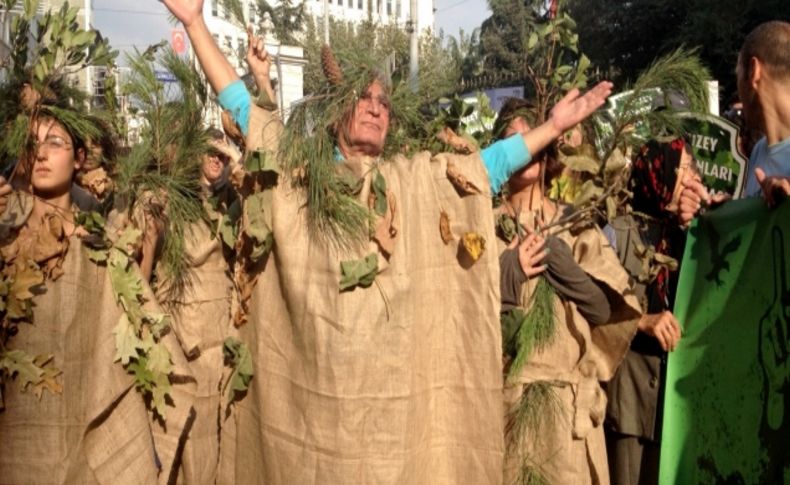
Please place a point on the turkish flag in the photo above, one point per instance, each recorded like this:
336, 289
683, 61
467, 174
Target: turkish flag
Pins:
180, 41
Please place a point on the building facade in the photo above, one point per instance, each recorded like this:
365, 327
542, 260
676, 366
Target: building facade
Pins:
383, 11
288, 65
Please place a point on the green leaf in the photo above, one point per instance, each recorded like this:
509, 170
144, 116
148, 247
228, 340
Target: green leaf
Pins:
126, 283
380, 191
533, 41
97, 255
129, 240
360, 272
260, 161
238, 355
22, 367
126, 341
159, 359
258, 210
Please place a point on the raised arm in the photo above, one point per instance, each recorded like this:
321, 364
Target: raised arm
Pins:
570, 111
260, 63
218, 70
505, 157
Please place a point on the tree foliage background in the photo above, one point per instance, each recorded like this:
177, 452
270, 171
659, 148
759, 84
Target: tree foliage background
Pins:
622, 38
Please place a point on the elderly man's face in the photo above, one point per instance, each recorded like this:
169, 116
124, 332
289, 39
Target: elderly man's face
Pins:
367, 128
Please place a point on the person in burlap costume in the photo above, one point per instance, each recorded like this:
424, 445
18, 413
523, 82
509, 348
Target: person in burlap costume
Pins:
199, 302
569, 313
377, 359
77, 418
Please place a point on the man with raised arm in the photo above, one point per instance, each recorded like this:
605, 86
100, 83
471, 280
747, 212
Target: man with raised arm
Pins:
373, 323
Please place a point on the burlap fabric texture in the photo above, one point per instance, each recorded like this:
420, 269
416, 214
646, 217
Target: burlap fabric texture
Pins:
99, 429
569, 446
200, 308
398, 383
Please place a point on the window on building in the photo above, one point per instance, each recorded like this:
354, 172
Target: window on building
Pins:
252, 12
360, 4
389, 7
397, 8
229, 44
214, 8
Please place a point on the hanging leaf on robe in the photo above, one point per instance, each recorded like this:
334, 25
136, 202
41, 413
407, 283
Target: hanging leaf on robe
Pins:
360, 272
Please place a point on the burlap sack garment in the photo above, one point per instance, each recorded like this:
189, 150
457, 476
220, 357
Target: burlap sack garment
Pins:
201, 321
99, 429
570, 448
398, 383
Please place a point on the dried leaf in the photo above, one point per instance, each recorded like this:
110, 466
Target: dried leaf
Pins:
360, 272
580, 163
444, 228
587, 192
460, 181
26, 279
48, 378
458, 143
474, 245
616, 161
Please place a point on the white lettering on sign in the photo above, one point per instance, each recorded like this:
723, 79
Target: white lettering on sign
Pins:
703, 142
713, 170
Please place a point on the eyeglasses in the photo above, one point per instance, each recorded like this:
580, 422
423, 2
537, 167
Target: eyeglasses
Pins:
383, 101
52, 143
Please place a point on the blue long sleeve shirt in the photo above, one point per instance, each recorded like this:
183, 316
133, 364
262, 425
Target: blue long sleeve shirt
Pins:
502, 159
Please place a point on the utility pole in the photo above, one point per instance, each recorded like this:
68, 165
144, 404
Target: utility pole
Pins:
414, 48
326, 22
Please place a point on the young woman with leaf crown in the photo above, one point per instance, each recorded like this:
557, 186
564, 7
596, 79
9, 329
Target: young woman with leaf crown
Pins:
374, 337
568, 314
70, 302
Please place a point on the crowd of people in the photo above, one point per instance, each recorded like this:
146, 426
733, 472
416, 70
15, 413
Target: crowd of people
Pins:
538, 359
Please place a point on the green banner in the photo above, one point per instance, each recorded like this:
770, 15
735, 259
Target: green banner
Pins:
714, 141
727, 405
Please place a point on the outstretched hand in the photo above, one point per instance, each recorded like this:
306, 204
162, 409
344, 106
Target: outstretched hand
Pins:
573, 108
186, 11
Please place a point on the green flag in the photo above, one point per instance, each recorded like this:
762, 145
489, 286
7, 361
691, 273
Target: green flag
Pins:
727, 405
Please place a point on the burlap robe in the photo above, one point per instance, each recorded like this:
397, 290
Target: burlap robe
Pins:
570, 446
397, 383
201, 321
99, 429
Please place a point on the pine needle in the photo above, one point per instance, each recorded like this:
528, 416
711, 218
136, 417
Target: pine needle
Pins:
538, 404
538, 327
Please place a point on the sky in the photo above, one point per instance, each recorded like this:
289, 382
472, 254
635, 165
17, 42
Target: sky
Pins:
140, 23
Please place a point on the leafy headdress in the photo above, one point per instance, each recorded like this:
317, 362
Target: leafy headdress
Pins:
37, 83
308, 150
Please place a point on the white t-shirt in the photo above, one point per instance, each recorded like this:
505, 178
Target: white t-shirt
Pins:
774, 160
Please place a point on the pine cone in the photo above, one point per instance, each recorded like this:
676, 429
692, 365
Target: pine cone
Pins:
331, 68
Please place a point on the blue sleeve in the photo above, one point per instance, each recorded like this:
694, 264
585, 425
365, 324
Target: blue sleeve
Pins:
236, 99
504, 158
